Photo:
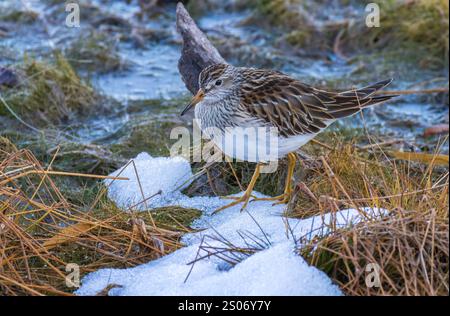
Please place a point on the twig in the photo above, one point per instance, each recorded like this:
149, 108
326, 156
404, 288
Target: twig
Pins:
61, 173
315, 141
385, 143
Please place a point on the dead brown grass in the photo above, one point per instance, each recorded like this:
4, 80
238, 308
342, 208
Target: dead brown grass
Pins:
41, 232
410, 245
410, 248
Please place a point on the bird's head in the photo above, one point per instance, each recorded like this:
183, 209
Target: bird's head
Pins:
215, 83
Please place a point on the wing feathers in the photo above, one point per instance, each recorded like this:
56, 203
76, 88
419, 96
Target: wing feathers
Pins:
297, 108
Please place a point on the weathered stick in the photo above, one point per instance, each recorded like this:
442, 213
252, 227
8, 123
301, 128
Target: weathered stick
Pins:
197, 52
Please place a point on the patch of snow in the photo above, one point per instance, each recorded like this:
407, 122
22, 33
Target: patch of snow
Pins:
170, 175
275, 269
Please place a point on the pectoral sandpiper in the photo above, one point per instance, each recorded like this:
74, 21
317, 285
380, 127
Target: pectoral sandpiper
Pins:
233, 97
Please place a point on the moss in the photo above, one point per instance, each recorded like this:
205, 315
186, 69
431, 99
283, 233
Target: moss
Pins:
342, 132
83, 158
420, 27
298, 38
158, 106
413, 32
199, 8
295, 23
287, 14
95, 52
174, 217
51, 93
19, 16
152, 138
6, 147
275, 10
68, 155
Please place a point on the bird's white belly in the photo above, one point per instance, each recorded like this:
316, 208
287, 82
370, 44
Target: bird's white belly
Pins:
256, 144
290, 144
250, 139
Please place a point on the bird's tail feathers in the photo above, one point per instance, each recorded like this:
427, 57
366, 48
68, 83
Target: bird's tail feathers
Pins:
353, 101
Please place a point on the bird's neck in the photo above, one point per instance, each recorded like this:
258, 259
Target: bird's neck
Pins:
215, 114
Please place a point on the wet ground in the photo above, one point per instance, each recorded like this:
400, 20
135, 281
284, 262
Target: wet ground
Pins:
141, 72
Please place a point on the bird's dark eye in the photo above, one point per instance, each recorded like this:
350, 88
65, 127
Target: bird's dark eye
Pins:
218, 82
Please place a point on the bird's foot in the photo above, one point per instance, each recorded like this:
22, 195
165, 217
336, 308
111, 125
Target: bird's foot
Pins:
244, 198
280, 199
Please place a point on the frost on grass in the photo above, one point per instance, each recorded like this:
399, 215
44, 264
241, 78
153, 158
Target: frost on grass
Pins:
235, 253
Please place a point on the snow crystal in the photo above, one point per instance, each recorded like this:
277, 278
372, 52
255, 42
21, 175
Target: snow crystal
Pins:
274, 268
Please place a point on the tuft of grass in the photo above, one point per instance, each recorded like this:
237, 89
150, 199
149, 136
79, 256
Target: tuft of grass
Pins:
356, 177
88, 158
95, 51
19, 16
41, 232
51, 94
416, 29
409, 249
410, 244
152, 137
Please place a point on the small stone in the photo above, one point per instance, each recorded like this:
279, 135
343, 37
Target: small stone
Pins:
8, 77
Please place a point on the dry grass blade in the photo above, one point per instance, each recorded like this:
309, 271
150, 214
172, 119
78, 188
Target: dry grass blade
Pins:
441, 160
409, 245
35, 218
219, 247
67, 234
410, 248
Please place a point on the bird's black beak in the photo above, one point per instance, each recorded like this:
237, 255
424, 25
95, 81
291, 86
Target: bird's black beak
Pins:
196, 99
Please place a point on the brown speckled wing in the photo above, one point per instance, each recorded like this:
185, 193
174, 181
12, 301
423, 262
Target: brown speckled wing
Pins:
296, 108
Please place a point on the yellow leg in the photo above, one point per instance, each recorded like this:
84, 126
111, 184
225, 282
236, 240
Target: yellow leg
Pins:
284, 198
247, 194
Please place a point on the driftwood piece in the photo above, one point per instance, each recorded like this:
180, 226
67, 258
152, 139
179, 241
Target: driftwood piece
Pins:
197, 52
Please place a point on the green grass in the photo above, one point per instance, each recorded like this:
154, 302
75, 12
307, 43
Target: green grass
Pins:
152, 137
415, 31
95, 52
51, 93
18, 16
